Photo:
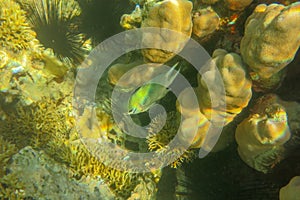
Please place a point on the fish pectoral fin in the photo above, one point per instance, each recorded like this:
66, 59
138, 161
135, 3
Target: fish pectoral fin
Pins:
172, 74
132, 111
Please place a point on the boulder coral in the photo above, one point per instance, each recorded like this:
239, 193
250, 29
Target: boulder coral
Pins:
291, 191
232, 71
261, 136
169, 14
265, 47
205, 22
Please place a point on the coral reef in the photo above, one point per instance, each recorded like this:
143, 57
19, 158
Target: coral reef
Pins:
174, 15
30, 77
146, 189
132, 78
8, 189
15, 32
265, 47
261, 136
6, 151
232, 72
36, 124
133, 20
158, 140
37, 117
205, 22
29, 167
291, 191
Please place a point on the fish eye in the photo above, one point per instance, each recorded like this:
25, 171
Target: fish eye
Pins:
132, 111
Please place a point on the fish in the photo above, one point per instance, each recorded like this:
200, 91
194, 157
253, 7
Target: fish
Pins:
145, 96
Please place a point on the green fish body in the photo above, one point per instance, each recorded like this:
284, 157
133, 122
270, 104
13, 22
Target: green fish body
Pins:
143, 98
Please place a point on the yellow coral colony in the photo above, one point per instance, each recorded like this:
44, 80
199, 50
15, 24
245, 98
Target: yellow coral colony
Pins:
291, 191
265, 47
233, 73
15, 32
205, 22
174, 15
261, 136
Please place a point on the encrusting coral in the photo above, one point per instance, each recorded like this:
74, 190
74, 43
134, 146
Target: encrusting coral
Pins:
261, 136
265, 47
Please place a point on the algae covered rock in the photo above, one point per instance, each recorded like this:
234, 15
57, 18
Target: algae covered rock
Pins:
42, 177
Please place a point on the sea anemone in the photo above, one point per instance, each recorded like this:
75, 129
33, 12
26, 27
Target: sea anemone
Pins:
56, 25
